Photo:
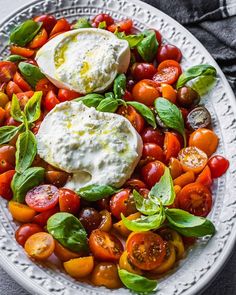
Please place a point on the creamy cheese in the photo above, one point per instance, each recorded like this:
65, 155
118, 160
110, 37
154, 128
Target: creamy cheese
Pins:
97, 147
84, 60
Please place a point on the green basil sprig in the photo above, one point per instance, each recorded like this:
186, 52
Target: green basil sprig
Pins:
96, 192
194, 72
170, 115
25, 32
22, 183
31, 73
133, 40
69, 231
119, 86
147, 48
15, 58
136, 282
108, 104
82, 23
147, 206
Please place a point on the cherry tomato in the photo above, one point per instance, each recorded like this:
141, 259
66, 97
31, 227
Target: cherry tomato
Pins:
12, 88
69, 201
51, 100
124, 263
133, 116
2, 116
5, 184
146, 250
106, 222
168, 72
45, 86
22, 51
11, 122
204, 139
7, 71
158, 36
142, 71
5, 166
7, 152
168, 51
150, 135
42, 218
18, 79
187, 97
135, 183
90, 218
103, 204
105, 246
35, 130
128, 96
79, 267
144, 192
168, 92
39, 40
24, 97
152, 152
171, 145
103, 17
21, 212
63, 253
120, 228
25, 231
122, 26
3, 97
196, 199
205, 177
175, 168
152, 172
40, 246
145, 91
57, 178
65, 95
48, 21
61, 25
192, 159
42, 198
218, 166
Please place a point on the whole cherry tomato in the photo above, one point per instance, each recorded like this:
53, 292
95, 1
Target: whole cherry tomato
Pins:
168, 51
168, 72
69, 201
42, 218
25, 231
90, 218
122, 26
145, 91
45, 86
39, 40
7, 71
5, 166
142, 70
133, 116
51, 100
5, 184
7, 153
150, 135
48, 21
218, 166
152, 172
103, 17
152, 152
65, 95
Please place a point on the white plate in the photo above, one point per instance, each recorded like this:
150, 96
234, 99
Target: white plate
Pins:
208, 256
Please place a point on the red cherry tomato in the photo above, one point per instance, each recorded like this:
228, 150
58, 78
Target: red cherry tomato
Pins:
133, 116
152, 172
142, 71
167, 72
69, 201
152, 152
128, 96
150, 135
42, 198
218, 166
7, 153
135, 183
103, 17
5, 166
65, 95
122, 26
45, 86
19, 80
5, 184
168, 51
205, 177
51, 100
62, 25
172, 145
158, 36
11, 122
25, 231
42, 218
12, 88
39, 40
24, 97
7, 71
48, 21
146, 91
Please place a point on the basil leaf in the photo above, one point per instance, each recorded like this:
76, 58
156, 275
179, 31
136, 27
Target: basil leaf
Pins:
33, 107
194, 72
119, 86
147, 206
95, 192
108, 104
7, 133
82, 23
147, 48
135, 282
164, 189
170, 115
204, 84
31, 73
189, 225
26, 149
102, 25
22, 183
91, 100
133, 40
69, 231
144, 112
15, 58
25, 32
109, 94
16, 112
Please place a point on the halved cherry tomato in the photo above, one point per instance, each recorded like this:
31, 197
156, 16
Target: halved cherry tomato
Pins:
146, 250
42, 198
152, 152
103, 17
133, 116
167, 72
192, 159
39, 40
152, 172
124, 263
62, 25
45, 86
51, 100
145, 91
122, 202
22, 51
218, 165
21, 212
122, 26
25, 231
64, 254
57, 178
196, 199
150, 135
204, 139
40, 246
168, 51
48, 21
5, 184
175, 167
168, 92
105, 246
7, 71
106, 223
135, 183
42, 218
205, 177
12, 88
18, 79
65, 95
69, 201
184, 179
79, 267
171, 146
142, 71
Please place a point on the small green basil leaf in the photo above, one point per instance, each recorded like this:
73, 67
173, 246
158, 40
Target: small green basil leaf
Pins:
15, 58
144, 112
147, 48
109, 94
7, 133
26, 149
204, 84
135, 282
96, 192
119, 86
22, 183
108, 104
33, 107
164, 189
16, 112
91, 100
133, 40
31, 73
82, 23
102, 25
69, 231
25, 32
189, 225
194, 72
147, 206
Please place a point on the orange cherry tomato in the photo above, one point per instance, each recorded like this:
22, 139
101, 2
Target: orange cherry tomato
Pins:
79, 267
168, 92
106, 223
172, 145
18, 79
12, 88
152, 172
69, 201
133, 116
146, 91
196, 199
204, 139
40, 246
51, 100
205, 177
21, 212
62, 25
175, 167
64, 254
25, 231
105, 246
22, 51
5, 184
45, 86
146, 250
184, 179
152, 152
57, 178
48, 21
7, 71
65, 95
167, 72
122, 26
192, 159
39, 40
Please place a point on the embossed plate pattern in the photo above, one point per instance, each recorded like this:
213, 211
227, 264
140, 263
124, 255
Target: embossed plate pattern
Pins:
205, 260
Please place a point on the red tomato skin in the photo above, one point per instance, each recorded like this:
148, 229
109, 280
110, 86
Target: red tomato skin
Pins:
5, 166
119, 203
152, 172
25, 231
101, 18
205, 177
66, 95
48, 21
122, 26
168, 51
51, 100
152, 152
7, 71
5, 184
218, 166
69, 201
172, 146
11, 122
7, 153
45, 86
150, 135
142, 71
19, 80
42, 218
61, 25
158, 36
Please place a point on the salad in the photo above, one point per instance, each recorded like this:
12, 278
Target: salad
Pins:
107, 154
